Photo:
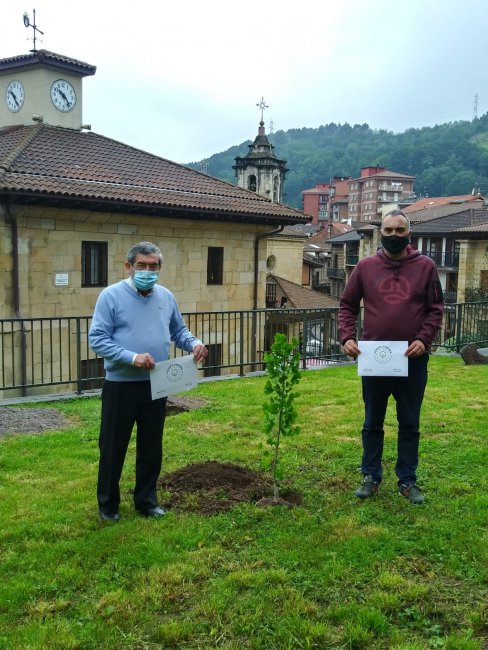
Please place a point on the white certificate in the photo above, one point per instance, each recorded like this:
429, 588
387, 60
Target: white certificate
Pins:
383, 359
173, 376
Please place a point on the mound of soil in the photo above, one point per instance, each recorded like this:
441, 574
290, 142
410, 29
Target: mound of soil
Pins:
213, 487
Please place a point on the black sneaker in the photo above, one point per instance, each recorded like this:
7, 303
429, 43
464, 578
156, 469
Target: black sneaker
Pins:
368, 488
108, 516
412, 493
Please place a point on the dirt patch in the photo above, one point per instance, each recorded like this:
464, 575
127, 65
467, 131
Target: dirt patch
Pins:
31, 420
176, 405
212, 487
14, 419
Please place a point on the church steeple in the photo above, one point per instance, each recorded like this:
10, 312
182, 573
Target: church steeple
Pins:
260, 170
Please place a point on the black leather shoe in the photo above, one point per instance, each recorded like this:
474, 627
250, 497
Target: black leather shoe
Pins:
108, 516
153, 512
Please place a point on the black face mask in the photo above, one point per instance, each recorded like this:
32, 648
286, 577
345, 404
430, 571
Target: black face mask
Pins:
394, 244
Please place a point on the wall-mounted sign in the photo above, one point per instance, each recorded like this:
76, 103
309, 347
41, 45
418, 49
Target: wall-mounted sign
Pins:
61, 279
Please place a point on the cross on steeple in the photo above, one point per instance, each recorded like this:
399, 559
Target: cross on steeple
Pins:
262, 105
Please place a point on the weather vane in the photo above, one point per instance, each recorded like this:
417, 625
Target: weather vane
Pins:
35, 29
262, 105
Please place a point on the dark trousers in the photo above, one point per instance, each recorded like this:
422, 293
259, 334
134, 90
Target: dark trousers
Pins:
408, 393
123, 405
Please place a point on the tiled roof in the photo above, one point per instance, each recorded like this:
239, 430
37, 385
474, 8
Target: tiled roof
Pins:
324, 233
476, 229
292, 233
301, 297
426, 202
353, 235
465, 221
440, 211
47, 59
317, 190
384, 174
48, 164
368, 227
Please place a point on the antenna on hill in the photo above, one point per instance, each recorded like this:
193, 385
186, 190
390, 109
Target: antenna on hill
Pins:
35, 29
271, 126
475, 106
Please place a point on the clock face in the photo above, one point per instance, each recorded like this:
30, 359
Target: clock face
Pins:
63, 95
14, 96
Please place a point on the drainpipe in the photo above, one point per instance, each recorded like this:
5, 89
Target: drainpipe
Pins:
16, 294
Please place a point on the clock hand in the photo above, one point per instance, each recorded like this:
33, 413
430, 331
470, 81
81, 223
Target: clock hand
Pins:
14, 96
64, 97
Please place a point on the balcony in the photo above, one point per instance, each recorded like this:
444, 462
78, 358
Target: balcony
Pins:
394, 187
446, 259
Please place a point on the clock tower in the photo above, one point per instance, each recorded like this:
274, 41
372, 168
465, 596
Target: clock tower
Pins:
42, 87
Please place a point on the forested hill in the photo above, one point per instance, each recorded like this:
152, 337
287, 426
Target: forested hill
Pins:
446, 159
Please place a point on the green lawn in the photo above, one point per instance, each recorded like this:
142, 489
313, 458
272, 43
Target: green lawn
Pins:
332, 573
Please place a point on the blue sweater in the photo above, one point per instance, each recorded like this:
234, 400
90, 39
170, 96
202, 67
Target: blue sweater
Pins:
125, 324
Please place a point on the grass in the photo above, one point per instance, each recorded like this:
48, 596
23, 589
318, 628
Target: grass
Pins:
332, 573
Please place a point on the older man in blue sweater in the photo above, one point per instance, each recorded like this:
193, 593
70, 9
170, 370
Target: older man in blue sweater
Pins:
132, 315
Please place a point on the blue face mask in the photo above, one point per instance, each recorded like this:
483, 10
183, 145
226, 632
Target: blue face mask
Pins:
145, 280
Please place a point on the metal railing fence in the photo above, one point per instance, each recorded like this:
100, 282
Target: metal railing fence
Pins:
39, 355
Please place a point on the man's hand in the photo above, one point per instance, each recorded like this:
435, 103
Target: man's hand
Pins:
144, 360
350, 347
415, 349
199, 353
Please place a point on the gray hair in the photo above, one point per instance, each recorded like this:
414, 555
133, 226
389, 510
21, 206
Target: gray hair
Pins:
396, 213
143, 248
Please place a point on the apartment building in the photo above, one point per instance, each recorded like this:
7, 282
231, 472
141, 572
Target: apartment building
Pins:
375, 192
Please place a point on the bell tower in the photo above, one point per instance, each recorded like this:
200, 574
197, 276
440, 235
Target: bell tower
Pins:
260, 170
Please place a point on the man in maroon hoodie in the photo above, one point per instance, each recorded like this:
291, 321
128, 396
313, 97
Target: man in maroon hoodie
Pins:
403, 301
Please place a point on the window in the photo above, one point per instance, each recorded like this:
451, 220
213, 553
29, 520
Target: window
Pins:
276, 187
94, 257
215, 265
271, 263
252, 183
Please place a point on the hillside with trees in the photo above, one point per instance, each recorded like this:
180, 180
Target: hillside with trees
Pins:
446, 159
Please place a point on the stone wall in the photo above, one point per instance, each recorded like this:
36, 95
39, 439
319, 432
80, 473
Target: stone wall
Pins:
289, 257
473, 259
50, 242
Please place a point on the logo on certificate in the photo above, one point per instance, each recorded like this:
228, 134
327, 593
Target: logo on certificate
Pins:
174, 372
382, 354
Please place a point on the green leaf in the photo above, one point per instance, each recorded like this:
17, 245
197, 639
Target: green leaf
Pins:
283, 373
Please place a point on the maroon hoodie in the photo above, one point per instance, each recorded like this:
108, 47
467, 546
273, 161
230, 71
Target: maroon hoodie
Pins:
403, 299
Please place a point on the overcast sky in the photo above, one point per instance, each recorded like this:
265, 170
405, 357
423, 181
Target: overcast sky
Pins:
182, 79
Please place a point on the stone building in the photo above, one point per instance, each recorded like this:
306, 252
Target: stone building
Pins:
72, 202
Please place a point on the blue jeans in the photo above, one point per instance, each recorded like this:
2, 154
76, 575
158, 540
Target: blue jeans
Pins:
408, 393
